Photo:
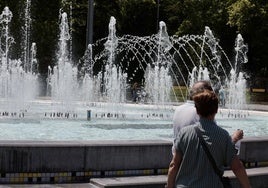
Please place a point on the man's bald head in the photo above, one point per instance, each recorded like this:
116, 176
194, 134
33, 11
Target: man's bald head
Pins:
199, 87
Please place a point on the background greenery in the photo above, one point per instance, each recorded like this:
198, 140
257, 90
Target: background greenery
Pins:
139, 17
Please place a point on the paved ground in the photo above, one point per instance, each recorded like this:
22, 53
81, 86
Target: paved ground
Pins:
260, 107
73, 185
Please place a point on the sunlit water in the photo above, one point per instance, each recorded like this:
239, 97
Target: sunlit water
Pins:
254, 125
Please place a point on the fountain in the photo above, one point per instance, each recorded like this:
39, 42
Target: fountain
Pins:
157, 76
63, 77
101, 96
18, 86
237, 83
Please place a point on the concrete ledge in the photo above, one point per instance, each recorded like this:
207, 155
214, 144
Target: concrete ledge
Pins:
144, 161
41, 156
258, 178
71, 185
134, 181
254, 149
78, 161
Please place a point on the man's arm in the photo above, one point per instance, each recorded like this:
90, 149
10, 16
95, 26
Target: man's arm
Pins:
173, 169
237, 135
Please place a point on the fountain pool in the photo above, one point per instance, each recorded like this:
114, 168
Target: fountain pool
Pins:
99, 86
43, 127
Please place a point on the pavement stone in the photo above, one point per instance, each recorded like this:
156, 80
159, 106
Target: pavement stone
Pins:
71, 185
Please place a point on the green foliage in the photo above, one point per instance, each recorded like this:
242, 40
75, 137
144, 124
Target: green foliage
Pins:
198, 14
103, 10
171, 13
242, 12
250, 18
45, 31
139, 17
179, 94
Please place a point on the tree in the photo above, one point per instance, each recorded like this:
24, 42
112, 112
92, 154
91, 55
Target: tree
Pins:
137, 17
250, 18
45, 31
171, 13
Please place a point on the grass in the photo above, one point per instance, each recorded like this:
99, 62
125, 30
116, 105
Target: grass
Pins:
180, 92
251, 97
257, 97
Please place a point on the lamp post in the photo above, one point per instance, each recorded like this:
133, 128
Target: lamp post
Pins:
90, 13
157, 15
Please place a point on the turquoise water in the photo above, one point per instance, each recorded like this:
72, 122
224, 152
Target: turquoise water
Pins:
85, 130
253, 125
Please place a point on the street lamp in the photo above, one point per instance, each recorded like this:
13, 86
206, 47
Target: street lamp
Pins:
90, 13
157, 15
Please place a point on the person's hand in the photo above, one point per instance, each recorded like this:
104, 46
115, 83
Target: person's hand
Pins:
237, 135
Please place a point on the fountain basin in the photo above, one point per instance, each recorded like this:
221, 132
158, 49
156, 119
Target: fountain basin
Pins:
42, 121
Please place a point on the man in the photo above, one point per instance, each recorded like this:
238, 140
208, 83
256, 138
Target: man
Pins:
185, 114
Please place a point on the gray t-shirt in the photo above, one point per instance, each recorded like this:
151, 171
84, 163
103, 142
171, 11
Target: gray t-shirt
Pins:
196, 170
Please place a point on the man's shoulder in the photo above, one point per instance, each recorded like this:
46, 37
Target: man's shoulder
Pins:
187, 104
